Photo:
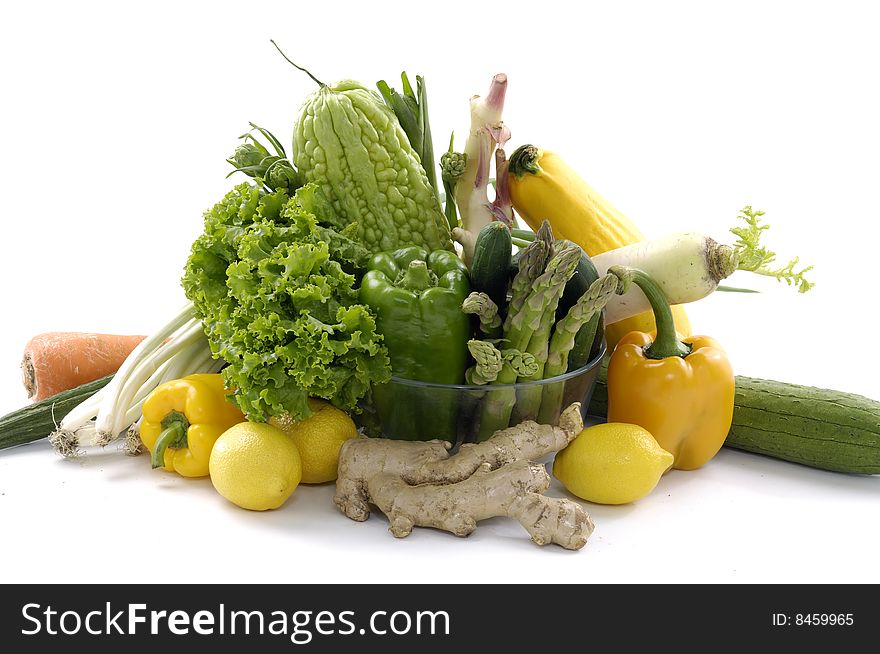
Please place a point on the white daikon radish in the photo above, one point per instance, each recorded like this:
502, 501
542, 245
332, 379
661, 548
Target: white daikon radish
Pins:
689, 266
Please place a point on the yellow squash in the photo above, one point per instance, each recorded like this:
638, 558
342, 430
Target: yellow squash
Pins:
543, 186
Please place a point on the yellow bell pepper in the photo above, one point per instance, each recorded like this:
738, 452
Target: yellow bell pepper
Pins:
183, 419
680, 391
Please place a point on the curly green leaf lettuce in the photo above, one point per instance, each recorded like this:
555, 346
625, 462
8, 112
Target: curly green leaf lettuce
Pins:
271, 279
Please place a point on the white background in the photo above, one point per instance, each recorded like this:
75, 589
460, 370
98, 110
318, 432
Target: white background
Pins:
116, 122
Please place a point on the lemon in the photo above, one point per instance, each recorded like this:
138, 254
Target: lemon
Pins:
612, 463
319, 439
255, 466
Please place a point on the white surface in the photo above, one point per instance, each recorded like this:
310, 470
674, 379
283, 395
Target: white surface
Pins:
116, 123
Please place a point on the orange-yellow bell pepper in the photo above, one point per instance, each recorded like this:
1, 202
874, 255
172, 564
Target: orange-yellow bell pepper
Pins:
680, 391
183, 419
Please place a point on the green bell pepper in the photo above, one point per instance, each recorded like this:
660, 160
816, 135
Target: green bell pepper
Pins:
417, 299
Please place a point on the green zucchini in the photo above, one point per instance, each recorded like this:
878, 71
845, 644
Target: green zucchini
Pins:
491, 264
40, 419
816, 427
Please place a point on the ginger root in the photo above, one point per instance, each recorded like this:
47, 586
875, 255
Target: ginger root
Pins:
363, 458
420, 484
513, 490
422, 462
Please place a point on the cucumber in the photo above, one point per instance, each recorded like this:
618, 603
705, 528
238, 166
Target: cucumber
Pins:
816, 427
490, 268
39, 419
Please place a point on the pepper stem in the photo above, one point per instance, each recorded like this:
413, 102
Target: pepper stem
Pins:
174, 432
666, 343
417, 277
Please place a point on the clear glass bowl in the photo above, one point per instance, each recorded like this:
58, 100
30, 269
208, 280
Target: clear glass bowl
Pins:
406, 409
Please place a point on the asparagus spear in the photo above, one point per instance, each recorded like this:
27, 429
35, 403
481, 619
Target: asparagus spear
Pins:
517, 364
545, 233
543, 297
482, 306
528, 400
499, 401
532, 263
588, 305
498, 366
489, 362
537, 305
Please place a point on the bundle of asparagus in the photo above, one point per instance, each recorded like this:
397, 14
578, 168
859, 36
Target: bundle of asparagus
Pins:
530, 344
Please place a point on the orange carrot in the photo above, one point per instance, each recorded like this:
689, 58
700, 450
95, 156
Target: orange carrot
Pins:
58, 361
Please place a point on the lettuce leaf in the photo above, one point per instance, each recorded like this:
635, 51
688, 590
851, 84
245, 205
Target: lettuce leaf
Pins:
273, 282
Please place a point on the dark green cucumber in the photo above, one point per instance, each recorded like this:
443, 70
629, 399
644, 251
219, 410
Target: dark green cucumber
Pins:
816, 427
490, 268
39, 419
